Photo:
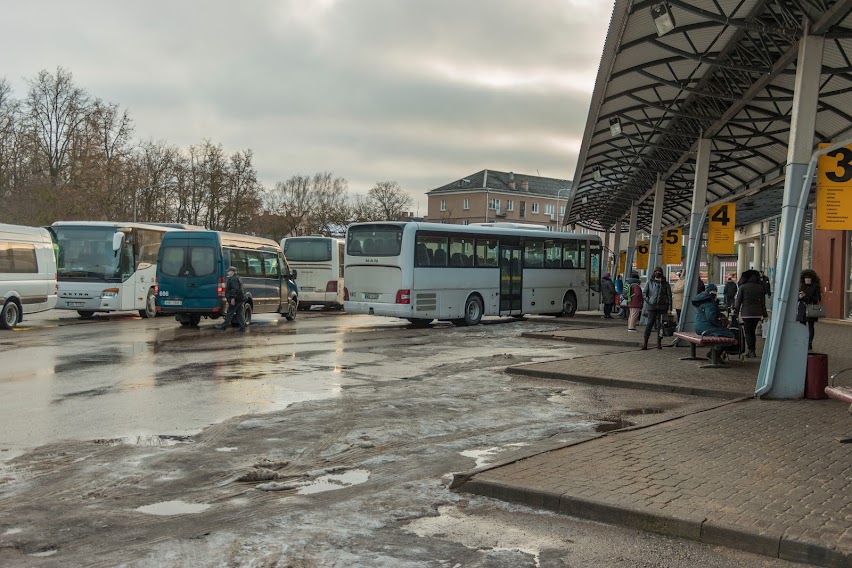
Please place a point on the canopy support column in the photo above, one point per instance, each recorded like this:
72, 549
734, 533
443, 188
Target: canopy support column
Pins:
654, 251
696, 231
631, 237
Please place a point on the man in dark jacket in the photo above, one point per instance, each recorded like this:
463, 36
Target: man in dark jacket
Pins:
658, 302
751, 307
767, 289
730, 291
607, 295
235, 297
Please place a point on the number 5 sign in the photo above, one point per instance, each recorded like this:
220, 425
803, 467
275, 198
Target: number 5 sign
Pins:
834, 190
672, 246
720, 232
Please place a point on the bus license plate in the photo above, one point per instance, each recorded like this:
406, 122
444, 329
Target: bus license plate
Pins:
75, 304
172, 302
371, 296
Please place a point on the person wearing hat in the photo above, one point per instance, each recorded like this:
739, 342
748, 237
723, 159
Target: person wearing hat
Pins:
677, 294
235, 297
658, 302
607, 295
708, 319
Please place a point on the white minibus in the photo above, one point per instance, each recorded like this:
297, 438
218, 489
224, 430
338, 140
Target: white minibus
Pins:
426, 271
27, 273
319, 260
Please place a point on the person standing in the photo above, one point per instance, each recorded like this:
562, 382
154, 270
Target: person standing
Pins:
809, 294
677, 293
658, 302
607, 295
767, 289
751, 307
235, 297
634, 301
730, 291
619, 294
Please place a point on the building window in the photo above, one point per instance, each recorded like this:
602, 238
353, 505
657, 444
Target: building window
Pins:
510, 205
548, 209
561, 210
465, 222
466, 204
494, 204
443, 205
523, 212
535, 208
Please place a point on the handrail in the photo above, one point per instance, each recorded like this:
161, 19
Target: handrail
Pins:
840, 372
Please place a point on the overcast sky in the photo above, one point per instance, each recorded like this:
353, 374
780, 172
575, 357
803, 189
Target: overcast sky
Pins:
418, 91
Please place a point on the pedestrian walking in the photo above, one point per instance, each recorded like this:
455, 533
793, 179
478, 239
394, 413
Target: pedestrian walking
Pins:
658, 302
677, 293
235, 297
750, 306
730, 291
634, 301
809, 294
607, 295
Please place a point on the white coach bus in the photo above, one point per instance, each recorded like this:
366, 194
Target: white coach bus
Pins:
426, 271
107, 266
319, 260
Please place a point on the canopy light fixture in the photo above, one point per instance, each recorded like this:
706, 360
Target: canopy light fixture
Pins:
598, 175
663, 19
614, 126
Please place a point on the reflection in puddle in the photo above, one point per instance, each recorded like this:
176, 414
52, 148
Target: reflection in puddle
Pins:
173, 508
149, 440
334, 481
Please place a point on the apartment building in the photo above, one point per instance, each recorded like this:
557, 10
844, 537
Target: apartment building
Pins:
489, 196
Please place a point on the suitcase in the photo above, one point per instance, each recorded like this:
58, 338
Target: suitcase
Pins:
739, 349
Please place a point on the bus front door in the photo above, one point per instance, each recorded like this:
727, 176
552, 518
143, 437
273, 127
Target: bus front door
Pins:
511, 275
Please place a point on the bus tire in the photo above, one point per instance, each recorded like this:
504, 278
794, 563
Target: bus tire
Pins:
10, 315
86, 314
150, 310
569, 305
247, 312
292, 308
472, 311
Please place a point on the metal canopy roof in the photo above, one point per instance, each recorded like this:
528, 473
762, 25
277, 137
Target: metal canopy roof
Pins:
726, 70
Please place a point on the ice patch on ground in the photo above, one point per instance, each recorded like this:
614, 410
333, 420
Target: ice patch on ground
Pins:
168, 508
334, 481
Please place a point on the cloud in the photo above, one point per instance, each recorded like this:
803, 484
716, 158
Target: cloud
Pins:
417, 92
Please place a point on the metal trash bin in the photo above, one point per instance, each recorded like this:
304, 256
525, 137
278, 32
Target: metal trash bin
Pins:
816, 378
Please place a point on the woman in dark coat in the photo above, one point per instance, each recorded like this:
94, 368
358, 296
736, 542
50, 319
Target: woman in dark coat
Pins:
707, 315
751, 307
809, 293
658, 302
607, 295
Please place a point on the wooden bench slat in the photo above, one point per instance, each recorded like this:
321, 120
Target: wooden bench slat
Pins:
840, 393
702, 340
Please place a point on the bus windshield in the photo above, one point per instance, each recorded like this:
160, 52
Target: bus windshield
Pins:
374, 240
86, 252
307, 250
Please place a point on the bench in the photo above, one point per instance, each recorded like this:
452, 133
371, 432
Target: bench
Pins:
840, 393
696, 340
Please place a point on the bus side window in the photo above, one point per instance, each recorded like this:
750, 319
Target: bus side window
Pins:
486, 253
534, 254
422, 255
570, 255
553, 254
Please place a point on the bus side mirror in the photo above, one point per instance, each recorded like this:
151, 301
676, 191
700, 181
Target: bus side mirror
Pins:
117, 239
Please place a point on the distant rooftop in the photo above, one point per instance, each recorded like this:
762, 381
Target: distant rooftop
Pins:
500, 181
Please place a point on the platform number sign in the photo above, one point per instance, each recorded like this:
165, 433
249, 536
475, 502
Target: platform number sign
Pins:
642, 250
834, 190
720, 230
622, 260
672, 246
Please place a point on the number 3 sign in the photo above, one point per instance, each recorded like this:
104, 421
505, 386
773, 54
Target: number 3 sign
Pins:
834, 190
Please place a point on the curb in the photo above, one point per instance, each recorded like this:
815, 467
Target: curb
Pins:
627, 384
587, 340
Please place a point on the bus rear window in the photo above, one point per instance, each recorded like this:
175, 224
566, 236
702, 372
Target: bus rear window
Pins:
188, 261
308, 250
373, 240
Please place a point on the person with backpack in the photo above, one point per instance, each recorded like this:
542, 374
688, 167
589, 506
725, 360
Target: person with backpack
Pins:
633, 294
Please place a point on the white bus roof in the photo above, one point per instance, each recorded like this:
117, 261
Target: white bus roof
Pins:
22, 230
117, 224
482, 229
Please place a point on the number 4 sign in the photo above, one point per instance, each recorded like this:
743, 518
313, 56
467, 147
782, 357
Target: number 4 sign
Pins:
720, 231
834, 190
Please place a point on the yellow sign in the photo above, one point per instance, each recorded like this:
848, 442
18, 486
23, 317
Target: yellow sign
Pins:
834, 190
672, 242
622, 260
642, 249
720, 230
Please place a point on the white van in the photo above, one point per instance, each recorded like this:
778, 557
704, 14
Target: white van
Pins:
27, 273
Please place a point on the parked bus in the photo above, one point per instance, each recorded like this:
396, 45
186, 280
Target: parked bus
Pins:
191, 276
426, 271
319, 261
107, 266
27, 273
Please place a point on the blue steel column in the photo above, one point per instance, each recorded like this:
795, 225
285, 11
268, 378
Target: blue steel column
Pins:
654, 252
784, 363
696, 233
631, 238
616, 248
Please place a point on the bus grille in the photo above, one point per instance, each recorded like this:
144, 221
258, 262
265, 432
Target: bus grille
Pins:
426, 302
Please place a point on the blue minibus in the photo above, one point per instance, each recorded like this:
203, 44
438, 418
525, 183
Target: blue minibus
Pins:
191, 270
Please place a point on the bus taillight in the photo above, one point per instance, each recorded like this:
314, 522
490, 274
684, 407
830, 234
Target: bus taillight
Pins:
403, 296
345, 294
156, 285
220, 291
331, 286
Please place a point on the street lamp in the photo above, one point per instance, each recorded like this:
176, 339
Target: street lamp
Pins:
168, 182
559, 216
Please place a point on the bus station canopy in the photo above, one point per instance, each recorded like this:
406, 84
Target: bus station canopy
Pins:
723, 70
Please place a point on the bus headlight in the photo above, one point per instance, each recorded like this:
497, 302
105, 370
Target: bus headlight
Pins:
109, 293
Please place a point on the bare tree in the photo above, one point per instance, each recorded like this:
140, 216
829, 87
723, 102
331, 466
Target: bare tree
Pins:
391, 200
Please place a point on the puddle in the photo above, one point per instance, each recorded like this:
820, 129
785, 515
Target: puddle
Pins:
166, 508
617, 421
229, 449
148, 440
334, 481
611, 425
641, 411
482, 457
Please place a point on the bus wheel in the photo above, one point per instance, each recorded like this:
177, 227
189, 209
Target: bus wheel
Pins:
85, 314
247, 311
10, 315
150, 310
292, 307
472, 311
569, 305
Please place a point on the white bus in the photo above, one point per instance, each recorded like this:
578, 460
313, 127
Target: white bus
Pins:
319, 261
106, 266
27, 273
426, 271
